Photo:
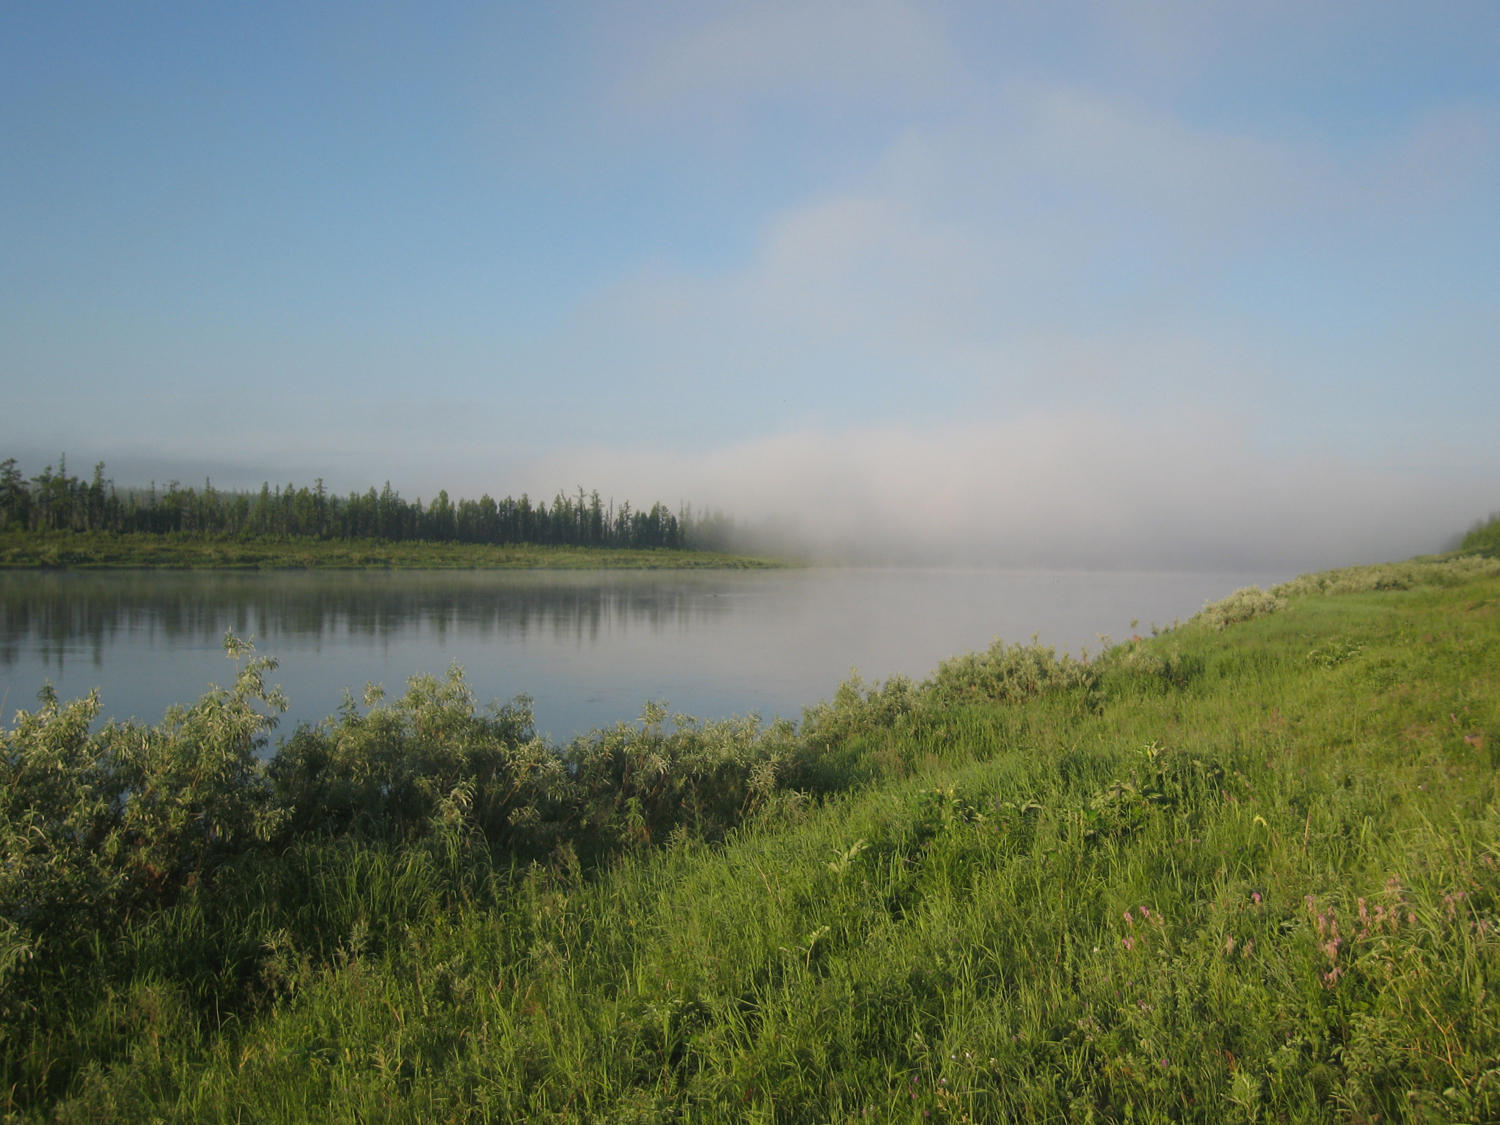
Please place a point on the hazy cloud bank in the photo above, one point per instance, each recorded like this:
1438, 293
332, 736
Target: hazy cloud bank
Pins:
1052, 489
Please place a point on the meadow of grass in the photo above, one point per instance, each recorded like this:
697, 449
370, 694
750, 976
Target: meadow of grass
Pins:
92, 550
1247, 870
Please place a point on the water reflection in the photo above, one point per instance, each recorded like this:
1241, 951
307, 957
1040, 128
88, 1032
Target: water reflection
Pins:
590, 647
54, 617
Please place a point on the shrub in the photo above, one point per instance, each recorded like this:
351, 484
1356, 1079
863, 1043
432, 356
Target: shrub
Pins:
857, 709
1007, 674
1129, 667
1390, 576
96, 827
636, 784
1245, 603
397, 770
406, 770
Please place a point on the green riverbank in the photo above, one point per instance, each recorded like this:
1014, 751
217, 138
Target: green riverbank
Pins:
103, 550
1246, 870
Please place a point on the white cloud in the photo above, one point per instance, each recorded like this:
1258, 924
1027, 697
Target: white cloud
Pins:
861, 263
1062, 239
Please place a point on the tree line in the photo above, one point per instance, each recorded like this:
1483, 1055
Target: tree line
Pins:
54, 500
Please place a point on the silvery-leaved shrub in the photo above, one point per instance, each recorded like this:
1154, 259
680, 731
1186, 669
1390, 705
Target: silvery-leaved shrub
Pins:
1244, 604
403, 769
638, 783
1130, 667
97, 826
432, 764
1007, 674
857, 709
1390, 576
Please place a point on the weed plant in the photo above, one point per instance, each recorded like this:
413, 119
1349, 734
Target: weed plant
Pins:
1246, 870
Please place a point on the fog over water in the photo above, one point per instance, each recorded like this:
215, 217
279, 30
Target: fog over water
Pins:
1054, 490
590, 647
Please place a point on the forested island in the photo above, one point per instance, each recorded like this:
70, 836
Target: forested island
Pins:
1245, 869
57, 519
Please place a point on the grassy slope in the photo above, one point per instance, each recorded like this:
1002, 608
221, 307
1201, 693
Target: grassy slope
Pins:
1025, 915
99, 550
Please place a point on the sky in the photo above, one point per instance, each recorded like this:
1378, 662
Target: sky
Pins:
1085, 283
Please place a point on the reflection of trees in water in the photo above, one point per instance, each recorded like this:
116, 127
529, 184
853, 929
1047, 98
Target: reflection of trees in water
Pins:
46, 612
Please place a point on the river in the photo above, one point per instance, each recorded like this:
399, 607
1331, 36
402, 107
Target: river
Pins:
589, 646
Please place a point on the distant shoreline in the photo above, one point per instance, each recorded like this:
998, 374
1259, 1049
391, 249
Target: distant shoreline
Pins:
106, 551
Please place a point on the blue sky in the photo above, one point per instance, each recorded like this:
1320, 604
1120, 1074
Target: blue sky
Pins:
1087, 283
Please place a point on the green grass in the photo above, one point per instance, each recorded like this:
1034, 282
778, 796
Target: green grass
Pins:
103, 550
1246, 873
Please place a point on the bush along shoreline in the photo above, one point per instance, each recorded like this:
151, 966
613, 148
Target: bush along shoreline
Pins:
1247, 868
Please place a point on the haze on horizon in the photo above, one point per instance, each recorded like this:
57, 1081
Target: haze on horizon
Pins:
1155, 284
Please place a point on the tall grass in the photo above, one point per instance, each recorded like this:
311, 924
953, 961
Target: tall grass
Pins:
1233, 874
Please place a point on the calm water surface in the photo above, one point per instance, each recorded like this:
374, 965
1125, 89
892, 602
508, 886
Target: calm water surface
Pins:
590, 647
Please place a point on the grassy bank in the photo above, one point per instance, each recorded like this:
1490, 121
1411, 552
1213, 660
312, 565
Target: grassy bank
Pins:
103, 550
1247, 870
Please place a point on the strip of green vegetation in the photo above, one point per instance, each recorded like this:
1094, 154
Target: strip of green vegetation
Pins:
57, 501
1484, 537
1247, 870
103, 550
